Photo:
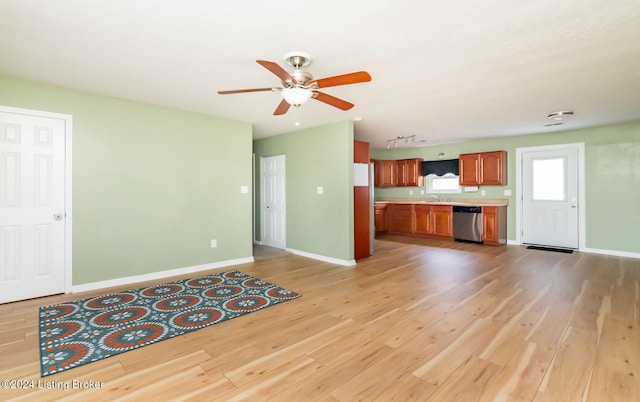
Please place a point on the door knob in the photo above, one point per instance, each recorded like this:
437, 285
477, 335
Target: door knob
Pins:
57, 216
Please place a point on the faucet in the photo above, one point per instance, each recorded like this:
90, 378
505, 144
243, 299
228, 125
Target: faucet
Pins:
436, 197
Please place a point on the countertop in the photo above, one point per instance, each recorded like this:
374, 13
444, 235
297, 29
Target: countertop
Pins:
485, 202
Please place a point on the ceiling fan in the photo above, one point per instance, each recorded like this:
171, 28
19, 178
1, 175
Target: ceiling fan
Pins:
298, 86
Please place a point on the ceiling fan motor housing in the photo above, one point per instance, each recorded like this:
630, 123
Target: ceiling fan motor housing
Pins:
302, 78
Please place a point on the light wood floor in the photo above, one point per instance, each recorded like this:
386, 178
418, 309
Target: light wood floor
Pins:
431, 321
260, 252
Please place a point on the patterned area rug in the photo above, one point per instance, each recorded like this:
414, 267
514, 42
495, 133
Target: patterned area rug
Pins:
84, 331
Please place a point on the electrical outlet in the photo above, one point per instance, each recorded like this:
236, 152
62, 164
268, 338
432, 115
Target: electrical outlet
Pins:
421, 192
320, 190
483, 192
410, 192
507, 192
214, 243
244, 189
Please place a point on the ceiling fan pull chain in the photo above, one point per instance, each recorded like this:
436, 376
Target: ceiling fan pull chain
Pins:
297, 123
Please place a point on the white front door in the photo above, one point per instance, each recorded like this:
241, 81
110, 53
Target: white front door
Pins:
273, 201
32, 205
550, 197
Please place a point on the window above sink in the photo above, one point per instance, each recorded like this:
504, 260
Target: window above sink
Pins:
448, 183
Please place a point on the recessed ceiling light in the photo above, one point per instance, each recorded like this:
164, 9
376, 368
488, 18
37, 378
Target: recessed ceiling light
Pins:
561, 115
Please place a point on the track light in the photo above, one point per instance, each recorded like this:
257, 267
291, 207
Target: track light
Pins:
400, 138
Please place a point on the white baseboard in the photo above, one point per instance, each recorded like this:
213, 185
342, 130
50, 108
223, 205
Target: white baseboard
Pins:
129, 280
611, 252
331, 260
614, 253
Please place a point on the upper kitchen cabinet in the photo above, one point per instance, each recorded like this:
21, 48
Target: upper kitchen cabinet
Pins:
486, 168
409, 172
398, 173
385, 173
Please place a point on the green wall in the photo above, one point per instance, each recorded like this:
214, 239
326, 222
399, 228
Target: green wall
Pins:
612, 178
152, 186
319, 156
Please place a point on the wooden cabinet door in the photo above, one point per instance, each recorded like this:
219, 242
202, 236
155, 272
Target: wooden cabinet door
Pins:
409, 172
490, 225
402, 173
494, 225
469, 169
493, 168
400, 218
414, 173
387, 175
442, 220
423, 219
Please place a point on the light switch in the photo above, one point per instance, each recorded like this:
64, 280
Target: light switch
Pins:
244, 189
320, 190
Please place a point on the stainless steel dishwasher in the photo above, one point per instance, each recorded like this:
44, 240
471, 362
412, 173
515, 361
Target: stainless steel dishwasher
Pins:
467, 223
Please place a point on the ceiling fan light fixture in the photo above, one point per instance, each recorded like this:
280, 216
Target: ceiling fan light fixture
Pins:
296, 96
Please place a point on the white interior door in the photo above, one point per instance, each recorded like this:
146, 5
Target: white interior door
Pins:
273, 200
550, 197
32, 206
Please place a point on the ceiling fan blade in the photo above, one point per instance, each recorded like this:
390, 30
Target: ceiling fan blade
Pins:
277, 70
282, 108
239, 91
332, 100
345, 79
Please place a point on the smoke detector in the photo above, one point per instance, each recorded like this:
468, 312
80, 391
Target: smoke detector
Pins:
561, 115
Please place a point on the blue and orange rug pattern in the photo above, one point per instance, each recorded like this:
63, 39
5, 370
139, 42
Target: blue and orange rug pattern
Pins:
84, 331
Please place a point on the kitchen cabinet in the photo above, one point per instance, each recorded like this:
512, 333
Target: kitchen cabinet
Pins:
400, 218
436, 220
433, 220
386, 173
409, 172
423, 217
486, 168
398, 173
494, 225
442, 220
469, 166
428, 219
381, 217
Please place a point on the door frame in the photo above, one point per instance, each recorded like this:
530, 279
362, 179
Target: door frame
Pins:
581, 188
68, 193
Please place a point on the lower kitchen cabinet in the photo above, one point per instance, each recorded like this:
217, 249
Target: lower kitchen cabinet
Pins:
400, 218
494, 225
432, 220
423, 217
442, 220
437, 220
381, 217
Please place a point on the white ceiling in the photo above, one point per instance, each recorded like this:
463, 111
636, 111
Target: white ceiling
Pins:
441, 70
